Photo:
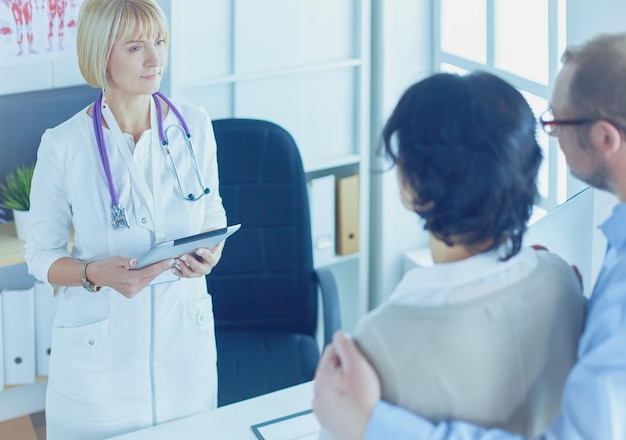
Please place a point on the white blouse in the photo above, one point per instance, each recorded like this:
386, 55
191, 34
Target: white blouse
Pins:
464, 280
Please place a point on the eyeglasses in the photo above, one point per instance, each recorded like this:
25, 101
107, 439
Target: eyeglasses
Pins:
551, 125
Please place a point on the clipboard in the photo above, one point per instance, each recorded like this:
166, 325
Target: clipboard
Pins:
185, 245
298, 426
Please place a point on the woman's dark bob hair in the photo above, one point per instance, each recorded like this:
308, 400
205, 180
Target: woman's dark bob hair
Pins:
466, 148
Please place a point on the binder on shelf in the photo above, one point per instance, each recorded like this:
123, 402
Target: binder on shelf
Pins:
322, 206
348, 215
18, 322
45, 309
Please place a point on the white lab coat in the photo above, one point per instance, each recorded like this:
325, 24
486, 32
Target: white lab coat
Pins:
121, 364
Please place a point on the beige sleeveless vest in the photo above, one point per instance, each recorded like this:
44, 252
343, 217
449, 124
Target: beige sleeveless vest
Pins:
498, 361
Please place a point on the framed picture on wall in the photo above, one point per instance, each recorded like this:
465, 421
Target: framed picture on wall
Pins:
38, 44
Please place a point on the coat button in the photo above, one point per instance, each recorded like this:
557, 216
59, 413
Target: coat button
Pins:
91, 342
201, 319
143, 220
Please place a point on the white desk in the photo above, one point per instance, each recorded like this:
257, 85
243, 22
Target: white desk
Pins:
231, 422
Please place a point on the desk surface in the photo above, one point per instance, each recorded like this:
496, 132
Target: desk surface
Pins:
12, 248
231, 421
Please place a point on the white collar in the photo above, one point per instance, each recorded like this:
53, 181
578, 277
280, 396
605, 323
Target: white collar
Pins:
445, 282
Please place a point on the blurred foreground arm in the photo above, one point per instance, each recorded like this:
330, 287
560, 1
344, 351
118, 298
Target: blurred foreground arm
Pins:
346, 389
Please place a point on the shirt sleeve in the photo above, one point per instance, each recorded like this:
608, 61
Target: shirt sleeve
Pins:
390, 421
595, 393
50, 211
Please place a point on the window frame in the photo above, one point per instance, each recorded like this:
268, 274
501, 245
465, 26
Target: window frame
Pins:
559, 185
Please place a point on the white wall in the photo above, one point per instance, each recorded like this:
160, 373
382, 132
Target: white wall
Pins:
588, 18
402, 55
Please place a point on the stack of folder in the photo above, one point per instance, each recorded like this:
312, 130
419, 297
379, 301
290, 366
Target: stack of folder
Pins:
334, 205
347, 227
26, 317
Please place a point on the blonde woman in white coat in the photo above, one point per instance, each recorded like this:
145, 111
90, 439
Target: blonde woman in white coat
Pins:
131, 347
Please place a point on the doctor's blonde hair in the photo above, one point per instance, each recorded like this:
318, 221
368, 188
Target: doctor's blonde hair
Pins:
103, 22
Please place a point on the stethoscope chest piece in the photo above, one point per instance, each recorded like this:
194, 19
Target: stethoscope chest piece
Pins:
118, 217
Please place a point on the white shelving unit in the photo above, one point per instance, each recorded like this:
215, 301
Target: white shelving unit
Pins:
303, 64
17, 400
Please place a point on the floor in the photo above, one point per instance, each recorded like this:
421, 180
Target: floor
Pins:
31, 427
39, 424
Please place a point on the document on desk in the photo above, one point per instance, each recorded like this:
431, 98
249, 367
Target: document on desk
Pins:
299, 426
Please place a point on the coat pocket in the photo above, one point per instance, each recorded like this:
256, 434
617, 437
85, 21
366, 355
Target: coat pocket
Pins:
81, 360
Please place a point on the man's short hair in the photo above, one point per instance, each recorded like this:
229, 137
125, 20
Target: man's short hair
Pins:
598, 87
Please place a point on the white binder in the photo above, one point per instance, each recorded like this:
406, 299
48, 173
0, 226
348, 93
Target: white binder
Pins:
322, 205
18, 322
45, 309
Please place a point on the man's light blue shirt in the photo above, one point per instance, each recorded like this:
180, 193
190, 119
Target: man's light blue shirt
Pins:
594, 397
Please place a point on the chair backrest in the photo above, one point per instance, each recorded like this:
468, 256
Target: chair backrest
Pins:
265, 279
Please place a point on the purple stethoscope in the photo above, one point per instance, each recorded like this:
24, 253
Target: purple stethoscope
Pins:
118, 213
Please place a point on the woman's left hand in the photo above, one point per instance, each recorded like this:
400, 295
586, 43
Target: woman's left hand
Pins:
198, 265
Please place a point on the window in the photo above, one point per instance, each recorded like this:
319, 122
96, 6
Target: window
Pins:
520, 42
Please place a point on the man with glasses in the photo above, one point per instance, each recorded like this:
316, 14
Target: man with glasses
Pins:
588, 115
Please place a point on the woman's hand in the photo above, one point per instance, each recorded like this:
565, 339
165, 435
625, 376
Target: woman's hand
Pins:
119, 274
198, 265
346, 389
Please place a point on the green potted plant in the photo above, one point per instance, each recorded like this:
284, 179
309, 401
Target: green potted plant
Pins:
15, 193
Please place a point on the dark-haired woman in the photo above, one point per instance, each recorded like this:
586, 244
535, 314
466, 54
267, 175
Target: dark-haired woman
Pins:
489, 333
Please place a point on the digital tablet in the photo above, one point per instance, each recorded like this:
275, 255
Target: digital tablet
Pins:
185, 245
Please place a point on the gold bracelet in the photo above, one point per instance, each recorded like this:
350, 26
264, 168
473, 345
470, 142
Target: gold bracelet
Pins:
88, 285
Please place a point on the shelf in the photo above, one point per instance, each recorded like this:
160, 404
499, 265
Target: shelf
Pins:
338, 259
253, 76
37, 379
326, 164
11, 248
21, 400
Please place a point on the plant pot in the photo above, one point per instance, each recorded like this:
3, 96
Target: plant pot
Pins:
21, 224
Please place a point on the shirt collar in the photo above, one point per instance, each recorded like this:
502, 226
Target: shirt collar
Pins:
614, 228
446, 275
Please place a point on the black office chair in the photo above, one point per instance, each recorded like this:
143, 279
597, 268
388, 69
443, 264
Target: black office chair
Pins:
265, 289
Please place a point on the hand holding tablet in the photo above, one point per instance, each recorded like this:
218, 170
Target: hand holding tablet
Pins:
186, 245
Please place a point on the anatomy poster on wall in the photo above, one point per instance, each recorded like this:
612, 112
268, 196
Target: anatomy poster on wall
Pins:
35, 31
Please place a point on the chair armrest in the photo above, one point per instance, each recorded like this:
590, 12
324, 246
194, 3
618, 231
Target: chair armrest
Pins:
330, 303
